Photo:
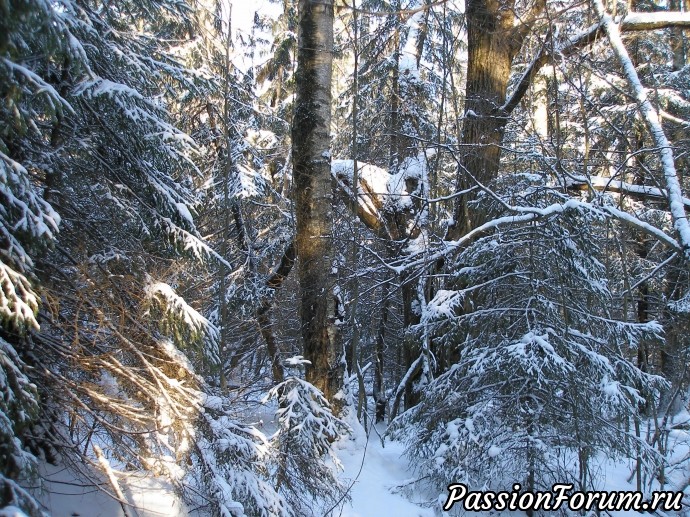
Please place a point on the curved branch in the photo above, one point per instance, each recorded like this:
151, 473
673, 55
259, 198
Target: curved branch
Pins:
631, 23
651, 117
524, 215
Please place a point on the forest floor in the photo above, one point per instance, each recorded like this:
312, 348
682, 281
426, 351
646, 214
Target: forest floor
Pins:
377, 476
371, 471
380, 475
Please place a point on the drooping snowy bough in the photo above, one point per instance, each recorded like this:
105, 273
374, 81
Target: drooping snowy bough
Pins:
651, 118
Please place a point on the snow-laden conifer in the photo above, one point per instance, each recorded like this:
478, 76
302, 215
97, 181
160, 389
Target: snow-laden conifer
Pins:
303, 445
91, 98
541, 382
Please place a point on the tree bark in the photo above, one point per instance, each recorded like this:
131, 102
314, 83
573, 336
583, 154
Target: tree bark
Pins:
678, 39
313, 195
493, 40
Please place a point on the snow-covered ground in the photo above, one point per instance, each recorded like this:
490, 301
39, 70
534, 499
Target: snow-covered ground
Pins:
371, 470
378, 477
376, 473
69, 494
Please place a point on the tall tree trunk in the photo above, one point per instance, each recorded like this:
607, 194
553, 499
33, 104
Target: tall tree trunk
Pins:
313, 194
394, 157
379, 391
493, 39
354, 257
679, 43
490, 57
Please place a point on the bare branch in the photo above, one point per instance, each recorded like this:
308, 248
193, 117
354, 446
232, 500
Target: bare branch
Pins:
527, 21
283, 270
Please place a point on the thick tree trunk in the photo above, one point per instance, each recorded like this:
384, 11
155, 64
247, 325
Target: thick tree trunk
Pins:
493, 40
673, 356
313, 194
491, 49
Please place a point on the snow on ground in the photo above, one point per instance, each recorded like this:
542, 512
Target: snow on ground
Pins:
383, 468
375, 473
66, 493
615, 475
372, 490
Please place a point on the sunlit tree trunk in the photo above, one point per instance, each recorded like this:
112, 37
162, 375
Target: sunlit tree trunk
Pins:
313, 195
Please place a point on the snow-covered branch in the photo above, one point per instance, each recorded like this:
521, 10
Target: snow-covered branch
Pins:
632, 22
651, 117
528, 214
180, 319
652, 21
605, 184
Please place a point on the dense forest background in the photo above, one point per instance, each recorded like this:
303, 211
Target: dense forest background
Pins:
466, 219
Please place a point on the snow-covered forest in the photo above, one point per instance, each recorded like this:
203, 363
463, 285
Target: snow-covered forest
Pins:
336, 255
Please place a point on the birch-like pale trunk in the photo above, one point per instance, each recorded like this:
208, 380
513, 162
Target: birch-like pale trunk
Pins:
313, 195
651, 118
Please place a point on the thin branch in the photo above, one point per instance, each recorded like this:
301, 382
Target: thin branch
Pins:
402, 13
631, 23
